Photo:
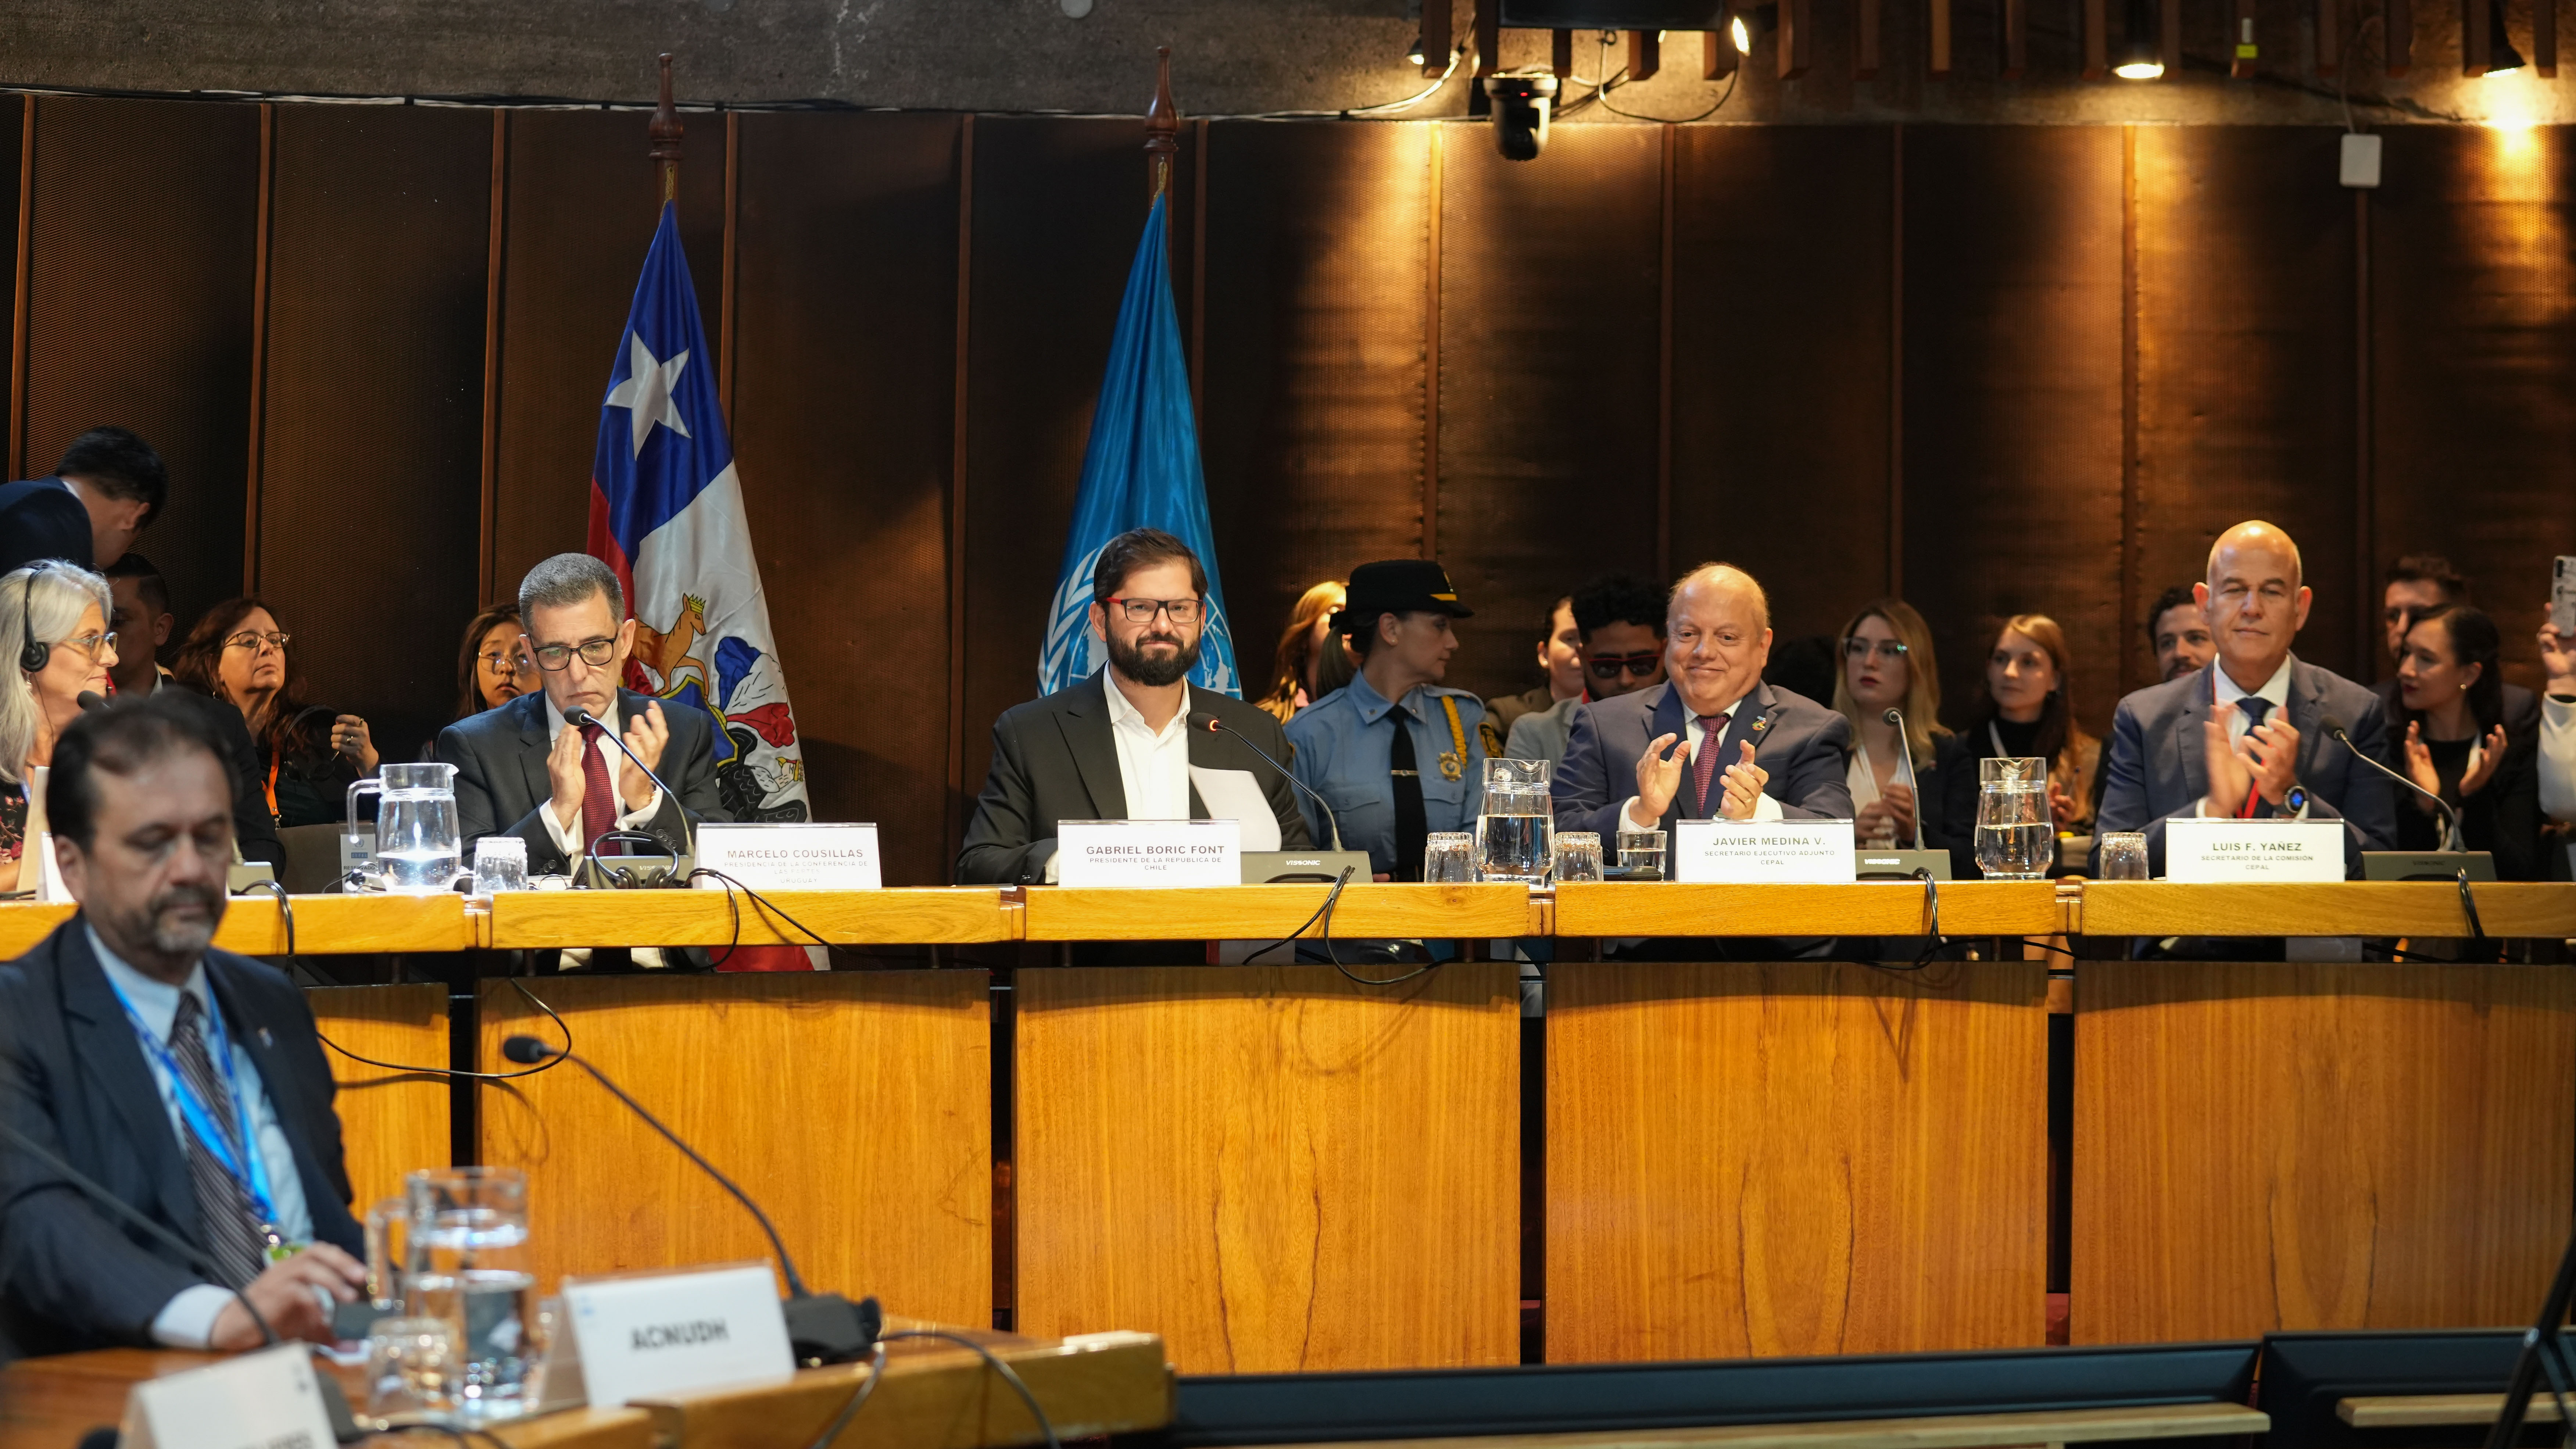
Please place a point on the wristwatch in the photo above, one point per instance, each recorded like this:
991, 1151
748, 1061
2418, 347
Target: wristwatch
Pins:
2294, 800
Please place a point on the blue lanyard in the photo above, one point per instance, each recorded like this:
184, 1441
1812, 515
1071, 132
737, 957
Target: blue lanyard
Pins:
201, 1119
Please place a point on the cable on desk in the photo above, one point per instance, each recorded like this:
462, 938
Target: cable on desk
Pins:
867, 1389
765, 903
1009, 1375
2469, 908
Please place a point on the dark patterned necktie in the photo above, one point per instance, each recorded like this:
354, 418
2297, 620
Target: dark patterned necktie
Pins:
1712, 738
2253, 707
232, 1227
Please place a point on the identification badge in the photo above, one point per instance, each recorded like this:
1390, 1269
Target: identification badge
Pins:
2209, 851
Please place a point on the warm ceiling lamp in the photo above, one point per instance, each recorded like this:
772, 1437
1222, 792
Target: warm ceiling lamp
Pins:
1741, 34
2141, 54
2501, 56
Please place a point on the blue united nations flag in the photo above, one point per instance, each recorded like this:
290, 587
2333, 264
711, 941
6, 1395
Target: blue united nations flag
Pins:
1141, 470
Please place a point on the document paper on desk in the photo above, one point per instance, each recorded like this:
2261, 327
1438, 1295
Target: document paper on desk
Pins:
1234, 795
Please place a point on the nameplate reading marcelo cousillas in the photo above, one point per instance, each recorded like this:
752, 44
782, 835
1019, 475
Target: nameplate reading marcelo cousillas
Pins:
791, 857
2205, 851
1763, 852
651, 1335
1158, 853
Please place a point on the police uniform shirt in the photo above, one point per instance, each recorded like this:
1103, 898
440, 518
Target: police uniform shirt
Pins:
1343, 749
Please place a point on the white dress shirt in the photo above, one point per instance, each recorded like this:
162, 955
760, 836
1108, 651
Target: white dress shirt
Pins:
2276, 689
1153, 765
568, 837
188, 1319
1764, 807
1862, 777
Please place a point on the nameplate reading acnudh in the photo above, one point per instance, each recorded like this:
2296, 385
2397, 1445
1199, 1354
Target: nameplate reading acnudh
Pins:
268, 1399
651, 1335
2205, 851
1763, 852
1151, 853
791, 856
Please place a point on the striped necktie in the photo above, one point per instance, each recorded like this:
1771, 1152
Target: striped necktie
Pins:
232, 1227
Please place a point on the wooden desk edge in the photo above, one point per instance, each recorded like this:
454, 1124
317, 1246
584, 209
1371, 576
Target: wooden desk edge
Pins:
2424, 1411
1940, 1431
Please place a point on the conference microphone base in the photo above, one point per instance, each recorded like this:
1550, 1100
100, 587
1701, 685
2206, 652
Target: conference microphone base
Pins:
828, 1328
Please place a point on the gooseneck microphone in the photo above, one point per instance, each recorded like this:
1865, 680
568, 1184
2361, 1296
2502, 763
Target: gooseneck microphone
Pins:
822, 1327
2456, 839
688, 836
1913, 782
1202, 720
90, 701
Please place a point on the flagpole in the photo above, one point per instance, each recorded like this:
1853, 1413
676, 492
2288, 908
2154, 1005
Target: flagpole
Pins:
1162, 124
665, 132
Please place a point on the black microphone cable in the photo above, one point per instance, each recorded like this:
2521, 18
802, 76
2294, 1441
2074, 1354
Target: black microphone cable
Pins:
763, 902
1009, 1375
1202, 719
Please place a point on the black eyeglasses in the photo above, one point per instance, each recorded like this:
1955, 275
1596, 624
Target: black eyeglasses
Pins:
1611, 666
555, 658
1142, 611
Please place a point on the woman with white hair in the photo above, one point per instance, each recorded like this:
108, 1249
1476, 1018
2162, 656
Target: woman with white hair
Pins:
54, 646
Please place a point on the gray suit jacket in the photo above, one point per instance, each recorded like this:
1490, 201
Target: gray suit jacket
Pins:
1802, 744
1053, 759
501, 784
2153, 768
73, 1078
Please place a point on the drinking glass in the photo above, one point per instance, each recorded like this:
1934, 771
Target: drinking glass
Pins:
416, 832
500, 864
1641, 854
1448, 858
2016, 837
1578, 856
469, 1235
388, 1226
1518, 820
2124, 855
411, 1366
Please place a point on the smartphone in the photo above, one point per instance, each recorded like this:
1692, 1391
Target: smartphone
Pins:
2562, 595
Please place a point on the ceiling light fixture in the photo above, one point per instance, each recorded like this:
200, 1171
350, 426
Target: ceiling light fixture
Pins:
2501, 56
1414, 52
2140, 55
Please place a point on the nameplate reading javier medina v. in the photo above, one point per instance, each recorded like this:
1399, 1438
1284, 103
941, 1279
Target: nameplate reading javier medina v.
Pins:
651, 1335
1148, 853
1763, 852
2205, 851
268, 1399
791, 856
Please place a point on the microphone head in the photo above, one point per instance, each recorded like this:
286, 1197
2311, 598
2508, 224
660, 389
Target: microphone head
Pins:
2334, 727
90, 700
527, 1051
1202, 720
1894, 718
577, 717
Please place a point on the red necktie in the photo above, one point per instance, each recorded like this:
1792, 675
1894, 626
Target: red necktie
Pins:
598, 792
1712, 737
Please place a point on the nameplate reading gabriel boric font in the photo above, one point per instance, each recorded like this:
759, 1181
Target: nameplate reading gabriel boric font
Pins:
1763, 852
2204, 851
1148, 853
267, 1398
651, 1335
792, 857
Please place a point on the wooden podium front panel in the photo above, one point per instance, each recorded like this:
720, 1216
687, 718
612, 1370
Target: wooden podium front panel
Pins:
391, 1123
1811, 1158
855, 1106
1274, 1168
2317, 1145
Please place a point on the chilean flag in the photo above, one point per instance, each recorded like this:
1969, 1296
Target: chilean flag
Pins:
666, 513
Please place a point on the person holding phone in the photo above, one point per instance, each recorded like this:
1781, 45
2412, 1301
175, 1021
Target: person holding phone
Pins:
2557, 730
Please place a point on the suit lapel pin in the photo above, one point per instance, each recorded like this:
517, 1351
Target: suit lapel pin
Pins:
1762, 724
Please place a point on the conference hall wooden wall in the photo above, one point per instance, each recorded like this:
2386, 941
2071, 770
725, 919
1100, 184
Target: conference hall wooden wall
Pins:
1993, 368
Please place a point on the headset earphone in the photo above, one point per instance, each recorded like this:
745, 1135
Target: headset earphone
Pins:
33, 653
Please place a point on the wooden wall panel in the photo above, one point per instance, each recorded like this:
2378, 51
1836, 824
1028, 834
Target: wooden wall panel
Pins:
2012, 395
370, 492
857, 1106
1783, 270
1797, 1159
141, 251
391, 1123
2317, 1146
2246, 336
1550, 298
843, 405
1311, 420
1059, 206
579, 212
2473, 317
1274, 1169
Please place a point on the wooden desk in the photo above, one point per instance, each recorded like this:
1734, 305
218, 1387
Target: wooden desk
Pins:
1271, 912
324, 925
2037, 1427
2317, 1145
1811, 1158
937, 915
2341, 908
856, 1106
391, 1123
2428, 1411
1863, 908
1274, 1168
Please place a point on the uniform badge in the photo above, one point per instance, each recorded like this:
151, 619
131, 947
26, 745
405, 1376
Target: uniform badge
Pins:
1452, 767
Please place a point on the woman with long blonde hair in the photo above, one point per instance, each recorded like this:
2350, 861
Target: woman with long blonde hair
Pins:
1293, 673
1887, 663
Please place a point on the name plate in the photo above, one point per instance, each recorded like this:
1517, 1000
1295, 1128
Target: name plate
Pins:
651, 1335
2203, 851
1763, 852
1148, 853
792, 857
263, 1400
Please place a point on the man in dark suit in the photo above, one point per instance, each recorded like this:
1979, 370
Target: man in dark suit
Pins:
1713, 741
188, 1082
107, 489
1119, 745
2246, 736
522, 770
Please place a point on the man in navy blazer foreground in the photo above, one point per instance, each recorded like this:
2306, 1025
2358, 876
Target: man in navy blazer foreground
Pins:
1643, 761
2246, 736
188, 1082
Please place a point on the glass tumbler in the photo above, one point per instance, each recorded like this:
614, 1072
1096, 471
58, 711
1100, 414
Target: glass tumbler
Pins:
411, 1366
1448, 858
1578, 856
469, 1236
2124, 855
2016, 837
1641, 854
500, 864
